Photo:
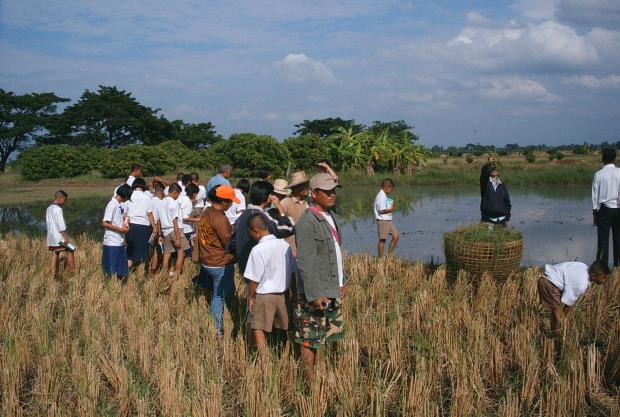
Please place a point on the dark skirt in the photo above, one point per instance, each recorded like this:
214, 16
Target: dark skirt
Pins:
115, 261
188, 252
138, 242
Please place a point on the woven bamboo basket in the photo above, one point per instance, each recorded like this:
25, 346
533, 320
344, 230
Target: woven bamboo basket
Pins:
499, 259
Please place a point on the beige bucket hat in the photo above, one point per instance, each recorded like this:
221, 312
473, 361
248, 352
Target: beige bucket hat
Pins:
297, 178
280, 186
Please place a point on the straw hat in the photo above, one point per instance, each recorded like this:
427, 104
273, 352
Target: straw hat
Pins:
297, 178
280, 187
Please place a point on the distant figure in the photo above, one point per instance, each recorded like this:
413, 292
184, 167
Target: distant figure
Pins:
236, 209
57, 232
485, 173
495, 203
265, 175
605, 209
563, 284
114, 253
136, 172
221, 178
383, 209
157, 239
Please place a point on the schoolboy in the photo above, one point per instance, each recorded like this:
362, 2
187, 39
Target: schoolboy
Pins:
187, 219
114, 253
157, 239
174, 239
268, 271
57, 232
383, 209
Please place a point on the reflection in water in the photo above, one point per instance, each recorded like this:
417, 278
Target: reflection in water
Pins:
555, 221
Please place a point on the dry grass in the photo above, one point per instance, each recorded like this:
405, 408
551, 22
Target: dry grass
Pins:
415, 345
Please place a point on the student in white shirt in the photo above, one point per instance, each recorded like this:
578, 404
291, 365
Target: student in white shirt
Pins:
174, 239
155, 207
202, 191
187, 220
57, 232
605, 208
268, 271
236, 209
114, 253
140, 228
383, 209
563, 284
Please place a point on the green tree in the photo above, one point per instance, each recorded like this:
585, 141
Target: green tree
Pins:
396, 129
23, 120
307, 151
110, 117
195, 135
326, 127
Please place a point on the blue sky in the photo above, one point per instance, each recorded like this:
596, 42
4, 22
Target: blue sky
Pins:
495, 72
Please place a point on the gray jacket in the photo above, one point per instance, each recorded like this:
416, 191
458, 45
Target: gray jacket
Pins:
316, 258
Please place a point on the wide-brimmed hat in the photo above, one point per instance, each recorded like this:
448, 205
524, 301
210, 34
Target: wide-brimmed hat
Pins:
297, 178
280, 187
323, 181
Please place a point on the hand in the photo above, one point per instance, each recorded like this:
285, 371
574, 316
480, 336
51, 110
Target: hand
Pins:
595, 217
276, 202
320, 303
123, 229
342, 291
250, 304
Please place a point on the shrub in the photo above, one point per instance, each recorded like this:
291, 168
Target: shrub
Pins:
118, 162
469, 159
530, 158
179, 155
559, 156
53, 161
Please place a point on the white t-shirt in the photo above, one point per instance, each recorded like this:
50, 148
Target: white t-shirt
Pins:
271, 264
55, 221
130, 180
113, 214
137, 208
185, 210
155, 207
330, 220
236, 210
170, 211
383, 202
572, 278
200, 197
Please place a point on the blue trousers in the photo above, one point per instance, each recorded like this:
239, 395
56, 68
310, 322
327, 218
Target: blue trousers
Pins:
222, 281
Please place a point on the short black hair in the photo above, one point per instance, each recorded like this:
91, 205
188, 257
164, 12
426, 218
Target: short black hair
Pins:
599, 268
180, 176
260, 192
195, 176
174, 187
138, 183
609, 155
244, 185
186, 179
191, 189
135, 167
158, 185
124, 191
257, 220
386, 182
263, 174
60, 193
214, 198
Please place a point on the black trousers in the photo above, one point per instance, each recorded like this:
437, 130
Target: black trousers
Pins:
608, 219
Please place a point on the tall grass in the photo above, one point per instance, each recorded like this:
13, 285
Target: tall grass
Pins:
415, 345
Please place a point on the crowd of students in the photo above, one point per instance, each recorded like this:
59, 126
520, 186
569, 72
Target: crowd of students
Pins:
285, 242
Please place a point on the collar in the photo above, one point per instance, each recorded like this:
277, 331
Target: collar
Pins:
609, 165
266, 238
252, 206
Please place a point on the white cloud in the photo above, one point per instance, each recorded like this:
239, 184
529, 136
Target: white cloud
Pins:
515, 88
301, 68
591, 81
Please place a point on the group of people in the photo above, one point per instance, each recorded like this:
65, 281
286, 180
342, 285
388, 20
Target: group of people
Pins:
286, 244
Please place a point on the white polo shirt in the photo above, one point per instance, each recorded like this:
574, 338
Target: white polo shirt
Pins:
271, 264
236, 209
113, 214
185, 210
383, 202
155, 206
201, 197
55, 222
605, 186
572, 278
170, 211
137, 208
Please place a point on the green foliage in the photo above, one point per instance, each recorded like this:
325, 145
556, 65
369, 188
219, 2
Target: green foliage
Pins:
178, 155
326, 127
469, 159
53, 161
118, 162
397, 129
195, 135
530, 158
583, 149
486, 233
307, 151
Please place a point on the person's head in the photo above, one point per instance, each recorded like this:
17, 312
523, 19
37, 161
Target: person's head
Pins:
260, 192
244, 185
264, 175
257, 226
609, 155
323, 190
186, 179
180, 176
195, 178
136, 170
493, 171
225, 171
174, 190
387, 185
159, 188
192, 191
280, 188
299, 185
139, 183
598, 272
222, 196
60, 197
123, 193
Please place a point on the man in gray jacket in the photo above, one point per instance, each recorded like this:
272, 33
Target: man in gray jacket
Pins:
320, 281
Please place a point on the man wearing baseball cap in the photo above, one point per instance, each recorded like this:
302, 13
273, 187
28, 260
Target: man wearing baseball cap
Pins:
320, 281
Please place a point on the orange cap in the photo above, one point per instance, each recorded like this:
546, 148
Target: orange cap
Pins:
227, 193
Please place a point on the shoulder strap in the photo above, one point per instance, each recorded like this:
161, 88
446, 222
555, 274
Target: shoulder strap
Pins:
333, 231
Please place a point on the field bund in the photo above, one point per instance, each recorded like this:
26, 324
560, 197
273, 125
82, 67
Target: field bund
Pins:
414, 345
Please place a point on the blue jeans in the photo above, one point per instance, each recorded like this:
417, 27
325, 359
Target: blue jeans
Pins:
222, 281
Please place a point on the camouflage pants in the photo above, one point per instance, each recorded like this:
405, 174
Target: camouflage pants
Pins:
314, 327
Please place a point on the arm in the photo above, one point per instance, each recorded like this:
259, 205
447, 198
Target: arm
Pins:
153, 223
283, 224
65, 236
108, 225
252, 285
177, 232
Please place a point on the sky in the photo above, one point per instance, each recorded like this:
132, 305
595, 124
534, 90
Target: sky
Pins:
493, 72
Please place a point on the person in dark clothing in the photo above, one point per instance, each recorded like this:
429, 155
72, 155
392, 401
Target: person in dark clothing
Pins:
485, 173
495, 202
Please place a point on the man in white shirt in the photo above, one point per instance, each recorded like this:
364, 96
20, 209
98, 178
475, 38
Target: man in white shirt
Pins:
171, 227
605, 208
57, 232
563, 284
268, 271
202, 191
114, 254
383, 209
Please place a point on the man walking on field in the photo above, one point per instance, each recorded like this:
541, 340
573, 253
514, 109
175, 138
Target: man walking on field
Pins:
605, 208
